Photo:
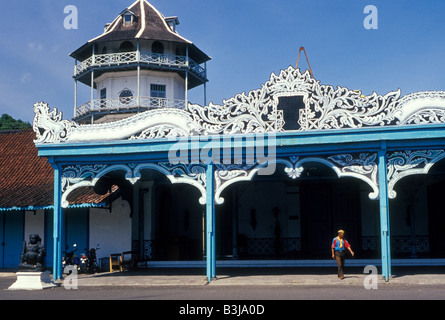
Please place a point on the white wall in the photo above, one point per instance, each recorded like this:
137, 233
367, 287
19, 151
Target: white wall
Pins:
115, 82
111, 229
35, 224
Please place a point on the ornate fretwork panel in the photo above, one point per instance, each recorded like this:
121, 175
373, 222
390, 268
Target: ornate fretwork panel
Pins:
77, 176
405, 163
325, 108
362, 166
399, 244
273, 246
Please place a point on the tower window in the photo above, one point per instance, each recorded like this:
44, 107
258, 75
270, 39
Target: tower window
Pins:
103, 93
126, 96
157, 47
157, 91
126, 46
103, 97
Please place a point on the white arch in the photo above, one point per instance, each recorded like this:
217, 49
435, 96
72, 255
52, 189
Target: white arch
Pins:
294, 168
192, 174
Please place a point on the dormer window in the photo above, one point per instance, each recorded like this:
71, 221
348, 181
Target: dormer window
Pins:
128, 19
172, 22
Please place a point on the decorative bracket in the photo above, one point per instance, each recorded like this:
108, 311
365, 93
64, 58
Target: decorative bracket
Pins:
405, 163
361, 166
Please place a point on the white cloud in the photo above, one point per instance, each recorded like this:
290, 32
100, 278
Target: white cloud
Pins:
26, 78
35, 46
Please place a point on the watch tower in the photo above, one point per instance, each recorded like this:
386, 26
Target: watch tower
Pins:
140, 62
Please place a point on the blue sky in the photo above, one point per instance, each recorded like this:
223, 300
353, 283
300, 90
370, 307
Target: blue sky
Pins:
247, 40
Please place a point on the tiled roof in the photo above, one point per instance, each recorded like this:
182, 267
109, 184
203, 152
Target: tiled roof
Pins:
150, 24
26, 180
153, 27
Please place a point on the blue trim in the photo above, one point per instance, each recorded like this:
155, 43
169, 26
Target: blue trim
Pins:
51, 207
30, 208
328, 140
88, 205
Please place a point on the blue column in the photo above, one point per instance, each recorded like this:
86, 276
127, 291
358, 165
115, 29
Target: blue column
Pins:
57, 224
210, 223
384, 215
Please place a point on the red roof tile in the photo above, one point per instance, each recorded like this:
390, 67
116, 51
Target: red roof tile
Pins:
27, 179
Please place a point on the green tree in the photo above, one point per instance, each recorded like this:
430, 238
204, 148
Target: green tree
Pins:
9, 123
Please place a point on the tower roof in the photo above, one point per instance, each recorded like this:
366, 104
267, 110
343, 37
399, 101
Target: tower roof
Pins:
149, 24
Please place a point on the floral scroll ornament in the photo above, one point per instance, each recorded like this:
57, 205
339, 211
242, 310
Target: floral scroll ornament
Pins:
77, 176
406, 163
325, 108
363, 167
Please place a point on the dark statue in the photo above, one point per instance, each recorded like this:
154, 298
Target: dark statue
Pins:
33, 254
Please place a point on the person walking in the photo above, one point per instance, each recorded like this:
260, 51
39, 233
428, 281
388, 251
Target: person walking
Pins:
338, 247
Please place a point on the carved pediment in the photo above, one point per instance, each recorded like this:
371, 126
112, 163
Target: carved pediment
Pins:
290, 96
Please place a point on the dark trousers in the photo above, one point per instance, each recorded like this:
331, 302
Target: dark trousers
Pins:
340, 258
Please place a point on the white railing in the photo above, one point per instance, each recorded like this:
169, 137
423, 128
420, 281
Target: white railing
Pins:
115, 104
116, 59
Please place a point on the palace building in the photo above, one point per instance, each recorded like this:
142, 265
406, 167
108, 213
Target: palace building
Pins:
266, 178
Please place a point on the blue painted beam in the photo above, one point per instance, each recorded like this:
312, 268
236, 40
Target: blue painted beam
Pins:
296, 141
384, 215
210, 223
57, 223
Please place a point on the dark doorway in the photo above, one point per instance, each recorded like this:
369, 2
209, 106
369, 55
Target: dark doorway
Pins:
326, 207
291, 107
157, 47
436, 217
178, 232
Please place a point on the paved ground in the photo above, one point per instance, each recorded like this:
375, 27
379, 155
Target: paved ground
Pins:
256, 276
263, 277
171, 291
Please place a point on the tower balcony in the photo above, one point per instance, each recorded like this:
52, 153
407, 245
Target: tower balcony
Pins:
124, 105
134, 58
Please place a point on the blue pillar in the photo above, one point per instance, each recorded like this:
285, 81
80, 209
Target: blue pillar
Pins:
210, 223
57, 224
384, 214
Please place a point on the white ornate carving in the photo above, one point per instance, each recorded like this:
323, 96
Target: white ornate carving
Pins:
293, 168
405, 163
257, 112
327, 108
192, 174
226, 175
49, 126
77, 176
361, 166
422, 108
136, 126
160, 131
